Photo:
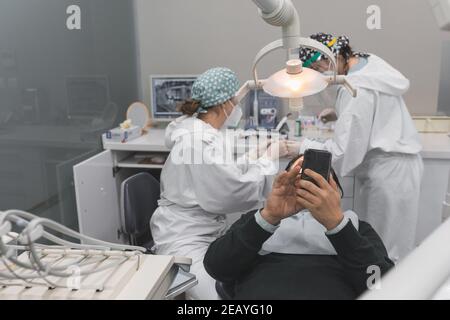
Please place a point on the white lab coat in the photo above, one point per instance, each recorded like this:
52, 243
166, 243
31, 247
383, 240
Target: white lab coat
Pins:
196, 197
376, 140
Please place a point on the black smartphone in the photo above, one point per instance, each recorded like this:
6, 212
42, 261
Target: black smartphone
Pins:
318, 161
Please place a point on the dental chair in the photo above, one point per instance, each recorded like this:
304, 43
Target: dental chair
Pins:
225, 290
139, 199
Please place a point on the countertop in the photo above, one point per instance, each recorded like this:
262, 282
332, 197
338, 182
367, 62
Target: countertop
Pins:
435, 145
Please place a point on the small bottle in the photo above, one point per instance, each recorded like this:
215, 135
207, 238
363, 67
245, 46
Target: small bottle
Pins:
298, 127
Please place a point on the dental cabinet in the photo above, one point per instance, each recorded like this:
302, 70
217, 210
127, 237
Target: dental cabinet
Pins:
98, 179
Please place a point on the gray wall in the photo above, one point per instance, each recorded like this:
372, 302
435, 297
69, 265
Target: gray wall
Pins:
46, 52
38, 52
189, 36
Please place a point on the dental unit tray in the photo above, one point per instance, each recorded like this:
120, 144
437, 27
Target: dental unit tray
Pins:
69, 270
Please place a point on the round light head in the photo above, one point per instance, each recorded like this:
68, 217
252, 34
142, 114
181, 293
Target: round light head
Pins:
294, 66
295, 82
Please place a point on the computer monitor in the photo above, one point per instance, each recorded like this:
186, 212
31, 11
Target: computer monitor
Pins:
167, 92
87, 96
270, 108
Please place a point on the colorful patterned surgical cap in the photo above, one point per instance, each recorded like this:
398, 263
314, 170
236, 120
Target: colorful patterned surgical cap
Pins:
337, 45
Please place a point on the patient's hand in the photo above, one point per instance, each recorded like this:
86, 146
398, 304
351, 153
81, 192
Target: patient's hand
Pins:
323, 201
282, 201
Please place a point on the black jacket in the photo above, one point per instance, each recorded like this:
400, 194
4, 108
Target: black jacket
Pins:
234, 259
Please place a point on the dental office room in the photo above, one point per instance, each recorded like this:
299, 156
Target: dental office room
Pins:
186, 150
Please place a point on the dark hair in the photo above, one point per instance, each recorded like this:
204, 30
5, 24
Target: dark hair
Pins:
188, 107
346, 52
333, 173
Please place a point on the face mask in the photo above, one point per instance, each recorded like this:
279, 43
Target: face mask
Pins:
329, 72
329, 96
234, 118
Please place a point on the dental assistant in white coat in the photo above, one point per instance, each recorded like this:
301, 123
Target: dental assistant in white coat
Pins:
376, 140
200, 182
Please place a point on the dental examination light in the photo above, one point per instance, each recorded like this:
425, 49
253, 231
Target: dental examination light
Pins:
295, 81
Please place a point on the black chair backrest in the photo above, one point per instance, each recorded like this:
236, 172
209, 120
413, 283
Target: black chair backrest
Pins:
140, 195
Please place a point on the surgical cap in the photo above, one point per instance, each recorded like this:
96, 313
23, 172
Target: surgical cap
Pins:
335, 44
215, 87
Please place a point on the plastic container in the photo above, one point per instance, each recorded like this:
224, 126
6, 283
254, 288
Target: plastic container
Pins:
123, 135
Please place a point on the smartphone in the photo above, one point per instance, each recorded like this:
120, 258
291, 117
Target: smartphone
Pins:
318, 161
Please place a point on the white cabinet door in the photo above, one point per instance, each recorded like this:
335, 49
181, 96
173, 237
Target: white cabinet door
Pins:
432, 195
66, 189
97, 198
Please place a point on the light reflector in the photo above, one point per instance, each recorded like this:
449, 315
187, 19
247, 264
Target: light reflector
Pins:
285, 84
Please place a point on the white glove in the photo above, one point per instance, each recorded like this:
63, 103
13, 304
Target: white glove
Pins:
277, 150
328, 115
293, 148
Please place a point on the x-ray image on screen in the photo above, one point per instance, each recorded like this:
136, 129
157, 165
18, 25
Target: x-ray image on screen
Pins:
167, 92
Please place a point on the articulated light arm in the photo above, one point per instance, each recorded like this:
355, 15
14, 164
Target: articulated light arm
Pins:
247, 87
299, 42
267, 6
295, 82
332, 80
281, 13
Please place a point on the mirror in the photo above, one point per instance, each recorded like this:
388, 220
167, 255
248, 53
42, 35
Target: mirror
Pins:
139, 115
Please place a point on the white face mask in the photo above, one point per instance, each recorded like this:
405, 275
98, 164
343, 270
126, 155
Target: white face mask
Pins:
328, 97
234, 118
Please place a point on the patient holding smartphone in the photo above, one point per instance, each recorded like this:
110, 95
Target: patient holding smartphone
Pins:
301, 245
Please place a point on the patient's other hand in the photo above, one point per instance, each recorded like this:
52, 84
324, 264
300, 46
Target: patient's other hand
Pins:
282, 201
322, 200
